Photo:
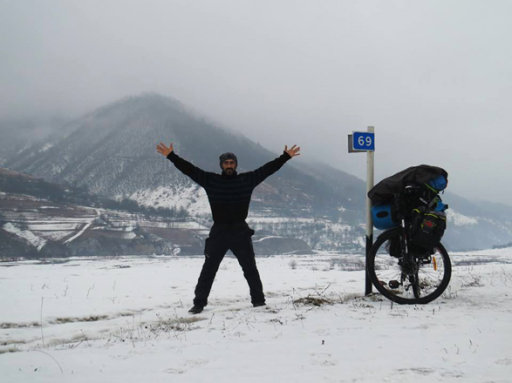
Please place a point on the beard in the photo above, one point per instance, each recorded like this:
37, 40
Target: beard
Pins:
229, 171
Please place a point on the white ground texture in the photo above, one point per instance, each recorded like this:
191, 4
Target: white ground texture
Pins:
125, 320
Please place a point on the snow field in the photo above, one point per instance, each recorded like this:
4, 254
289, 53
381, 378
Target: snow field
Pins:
125, 320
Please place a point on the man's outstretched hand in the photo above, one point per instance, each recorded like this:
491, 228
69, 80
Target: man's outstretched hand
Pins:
164, 150
293, 151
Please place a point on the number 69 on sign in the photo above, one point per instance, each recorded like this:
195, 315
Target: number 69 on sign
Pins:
362, 141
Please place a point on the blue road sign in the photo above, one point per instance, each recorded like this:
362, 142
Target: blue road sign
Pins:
363, 141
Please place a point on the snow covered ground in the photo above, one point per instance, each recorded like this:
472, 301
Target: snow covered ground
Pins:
125, 320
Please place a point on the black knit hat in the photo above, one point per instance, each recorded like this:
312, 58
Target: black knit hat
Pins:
227, 156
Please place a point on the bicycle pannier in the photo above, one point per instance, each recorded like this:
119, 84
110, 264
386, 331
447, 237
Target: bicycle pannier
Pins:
427, 227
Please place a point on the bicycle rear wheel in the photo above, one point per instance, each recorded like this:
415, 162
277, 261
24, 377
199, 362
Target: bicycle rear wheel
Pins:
417, 282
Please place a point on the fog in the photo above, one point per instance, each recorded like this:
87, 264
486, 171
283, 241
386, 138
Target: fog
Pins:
433, 77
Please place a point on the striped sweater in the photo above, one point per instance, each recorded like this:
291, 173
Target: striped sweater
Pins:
229, 196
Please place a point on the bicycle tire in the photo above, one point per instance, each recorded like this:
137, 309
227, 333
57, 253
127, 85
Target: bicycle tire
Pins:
422, 286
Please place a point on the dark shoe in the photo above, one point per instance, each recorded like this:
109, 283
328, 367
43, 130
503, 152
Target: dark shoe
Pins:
195, 309
258, 304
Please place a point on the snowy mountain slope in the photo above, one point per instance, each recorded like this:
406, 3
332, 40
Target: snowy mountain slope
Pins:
476, 224
111, 151
20, 134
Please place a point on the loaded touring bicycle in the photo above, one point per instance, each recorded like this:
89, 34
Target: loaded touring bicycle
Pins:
407, 263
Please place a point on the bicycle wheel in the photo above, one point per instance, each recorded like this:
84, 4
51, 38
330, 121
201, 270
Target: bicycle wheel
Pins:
419, 281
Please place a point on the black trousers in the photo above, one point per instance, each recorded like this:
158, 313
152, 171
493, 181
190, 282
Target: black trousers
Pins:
237, 238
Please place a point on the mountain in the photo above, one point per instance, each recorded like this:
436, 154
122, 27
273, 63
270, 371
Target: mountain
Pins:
476, 224
111, 152
20, 134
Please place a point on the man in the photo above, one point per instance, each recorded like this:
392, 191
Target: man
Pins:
229, 195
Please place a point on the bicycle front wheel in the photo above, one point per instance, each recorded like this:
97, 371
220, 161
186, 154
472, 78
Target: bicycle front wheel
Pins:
418, 280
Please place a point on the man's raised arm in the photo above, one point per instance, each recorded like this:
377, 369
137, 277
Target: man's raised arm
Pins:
273, 166
196, 174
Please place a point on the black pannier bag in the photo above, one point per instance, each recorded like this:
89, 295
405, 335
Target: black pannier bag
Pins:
426, 228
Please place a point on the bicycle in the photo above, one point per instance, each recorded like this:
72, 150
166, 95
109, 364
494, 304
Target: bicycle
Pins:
402, 271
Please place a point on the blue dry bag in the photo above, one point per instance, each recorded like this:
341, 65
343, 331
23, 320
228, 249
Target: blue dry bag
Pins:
382, 217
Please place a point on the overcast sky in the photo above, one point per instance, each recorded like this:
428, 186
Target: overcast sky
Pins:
433, 77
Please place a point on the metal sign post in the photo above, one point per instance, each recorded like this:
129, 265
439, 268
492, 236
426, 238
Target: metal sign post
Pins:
365, 142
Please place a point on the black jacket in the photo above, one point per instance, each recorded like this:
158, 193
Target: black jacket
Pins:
229, 196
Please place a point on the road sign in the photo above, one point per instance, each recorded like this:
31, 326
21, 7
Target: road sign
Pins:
363, 141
